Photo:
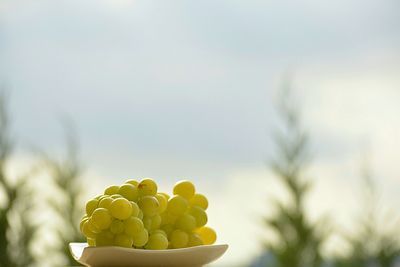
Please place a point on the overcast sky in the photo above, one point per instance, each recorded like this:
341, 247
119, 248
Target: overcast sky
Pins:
186, 89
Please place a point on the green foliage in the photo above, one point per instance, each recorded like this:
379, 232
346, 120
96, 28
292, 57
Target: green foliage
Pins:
14, 247
299, 241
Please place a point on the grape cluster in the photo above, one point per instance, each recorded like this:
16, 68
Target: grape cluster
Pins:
136, 215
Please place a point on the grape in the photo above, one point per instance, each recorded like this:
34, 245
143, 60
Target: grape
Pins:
165, 195
186, 223
207, 234
152, 223
147, 223
115, 196
163, 201
121, 208
91, 242
140, 239
105, 238
199, 214
129, 192
91, 205
194, 240
122, 240
133, 226
149, 205
111, 190
179, 239
199, 200
135, 209
159, 231
117, 227
86, 231
185, 189
84, 219
177, 205
147, 187
168, 229
140, 215
157, 241
101, 218
92, 227
132, 182
105, 202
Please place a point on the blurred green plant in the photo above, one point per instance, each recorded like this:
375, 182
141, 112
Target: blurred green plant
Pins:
298, 241
376, 243
16, 229
66, 175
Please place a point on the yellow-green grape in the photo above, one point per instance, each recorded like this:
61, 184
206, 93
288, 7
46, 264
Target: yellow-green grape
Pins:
157, 241
105, 238
122, 240
121, 208
159, 231
147, 222
165, 195
177, 205
179, 239
194, 240
199, 214
199, 200
91, 242
115, 196
117, 227
152, 223
101, 218
133, 226
129, 192
186, 223
93, 227
207, 234
147, 187
149, 205
86, 230
163, 201
141, 238
111, 190
140, 215
132, 182
168, 229
135, 209
185, 189
105, 202
91, 205
84, 219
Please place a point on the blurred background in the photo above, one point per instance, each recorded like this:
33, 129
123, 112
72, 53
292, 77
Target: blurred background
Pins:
284, 113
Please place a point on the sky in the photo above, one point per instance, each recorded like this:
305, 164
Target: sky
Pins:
187, 90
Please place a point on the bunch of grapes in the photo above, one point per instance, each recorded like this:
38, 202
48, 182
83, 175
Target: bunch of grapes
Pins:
135, 215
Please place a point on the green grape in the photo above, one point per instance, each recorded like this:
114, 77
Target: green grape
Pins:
105, 202
186, 223
122, 240
141, 238
135, 209
149, 205
101, 218
159, 231
177, 205
111, 190
105, 238
129, 192
115, 196
185, 189
147, 187
199, 200
163, 201
157, 241
140, 215
199, 214
207, 234
93, 227
121, 208
91, 242
117, 227
152, 223
91, 205
168, 229
194, 240
132, 182
84, 219
86, 230
179, 239
165, 195
147, 223
133, 226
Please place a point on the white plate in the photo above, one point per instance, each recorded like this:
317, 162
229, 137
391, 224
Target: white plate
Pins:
127, 257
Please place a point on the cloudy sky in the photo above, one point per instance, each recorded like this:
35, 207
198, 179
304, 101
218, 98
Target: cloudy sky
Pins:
186, 89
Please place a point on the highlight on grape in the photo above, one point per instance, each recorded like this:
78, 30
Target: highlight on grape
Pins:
137, 215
